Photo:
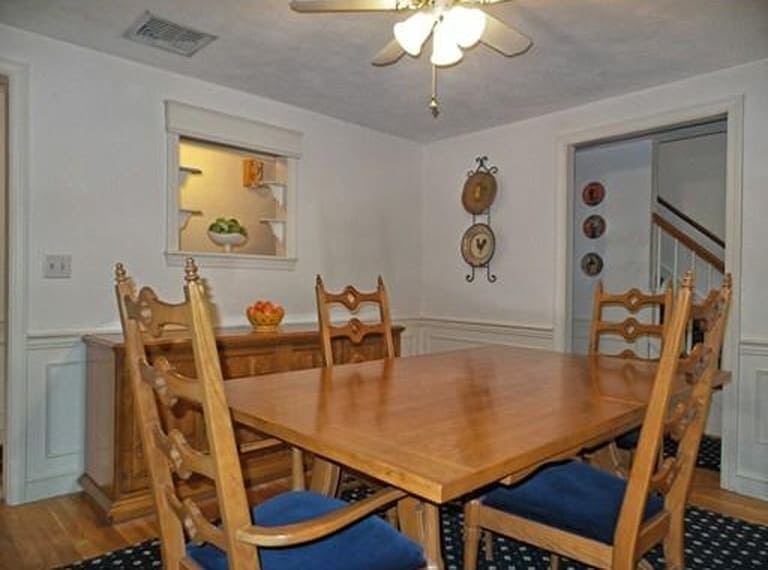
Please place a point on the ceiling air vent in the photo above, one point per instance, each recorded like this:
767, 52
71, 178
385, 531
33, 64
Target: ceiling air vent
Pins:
170, 36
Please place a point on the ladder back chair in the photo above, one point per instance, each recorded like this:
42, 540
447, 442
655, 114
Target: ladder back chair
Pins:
628, 331
354, 329
630, 328
297, 530
593, 516
325, 476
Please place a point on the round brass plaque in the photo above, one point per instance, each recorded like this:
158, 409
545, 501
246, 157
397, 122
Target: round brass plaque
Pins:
479, 192
478, 245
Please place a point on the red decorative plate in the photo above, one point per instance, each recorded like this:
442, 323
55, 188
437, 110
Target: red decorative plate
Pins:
593, 193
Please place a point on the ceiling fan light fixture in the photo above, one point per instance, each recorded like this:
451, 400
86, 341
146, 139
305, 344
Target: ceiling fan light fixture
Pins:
466, 25
445, 51
413, 32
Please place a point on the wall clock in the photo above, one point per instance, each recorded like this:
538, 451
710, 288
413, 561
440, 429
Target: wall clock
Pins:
478, 245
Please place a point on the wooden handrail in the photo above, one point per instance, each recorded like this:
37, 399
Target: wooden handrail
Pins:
689, 242
690, 221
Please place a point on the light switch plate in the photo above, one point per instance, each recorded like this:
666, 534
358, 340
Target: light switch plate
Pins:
57, 266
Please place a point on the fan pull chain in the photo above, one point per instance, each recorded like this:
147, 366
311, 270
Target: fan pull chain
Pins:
434, 104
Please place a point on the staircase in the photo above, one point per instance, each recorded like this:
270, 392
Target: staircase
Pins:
680, 244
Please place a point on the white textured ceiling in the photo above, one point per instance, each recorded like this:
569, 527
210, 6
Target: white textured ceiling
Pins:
583, 50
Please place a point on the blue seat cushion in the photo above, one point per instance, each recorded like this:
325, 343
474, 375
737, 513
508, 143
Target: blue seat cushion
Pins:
370, 544
628, 440
571, 496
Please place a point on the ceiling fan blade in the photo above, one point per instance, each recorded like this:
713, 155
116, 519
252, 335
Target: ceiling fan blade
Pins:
389, 54
503, 38
346, 5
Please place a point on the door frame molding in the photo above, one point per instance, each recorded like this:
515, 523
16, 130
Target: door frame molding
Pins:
15, 452
733, 109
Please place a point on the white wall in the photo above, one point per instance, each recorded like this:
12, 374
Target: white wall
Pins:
691, 176
625, 170
98, 189
524, 218
97, 184
369, 203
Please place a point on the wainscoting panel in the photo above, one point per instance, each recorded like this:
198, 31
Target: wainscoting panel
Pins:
761, 407
751, 439
410, 339
55, 415
450, 334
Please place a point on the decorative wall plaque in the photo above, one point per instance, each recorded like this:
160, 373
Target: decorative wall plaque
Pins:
479, 243
594, 226
593, 193
591, 264
479, 192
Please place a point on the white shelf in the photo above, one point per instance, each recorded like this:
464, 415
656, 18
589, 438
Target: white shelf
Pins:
277, 226
185, 214
278, 190
185, 172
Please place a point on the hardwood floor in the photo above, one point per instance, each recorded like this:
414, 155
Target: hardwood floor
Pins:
707, 494
65, 529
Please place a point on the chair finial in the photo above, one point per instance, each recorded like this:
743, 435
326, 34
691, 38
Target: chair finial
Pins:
688, 279
318, 281
728, 280
190, 271
380, 282
120, 273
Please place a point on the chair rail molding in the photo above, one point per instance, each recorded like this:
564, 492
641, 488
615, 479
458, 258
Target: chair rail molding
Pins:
15, 468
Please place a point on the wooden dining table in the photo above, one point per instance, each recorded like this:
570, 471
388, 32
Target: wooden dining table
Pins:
444, 426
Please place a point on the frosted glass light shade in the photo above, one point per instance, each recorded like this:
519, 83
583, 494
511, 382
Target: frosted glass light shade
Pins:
466, 25
413, 32
445, 51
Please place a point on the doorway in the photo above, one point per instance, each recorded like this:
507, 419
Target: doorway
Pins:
732, 112
646, 209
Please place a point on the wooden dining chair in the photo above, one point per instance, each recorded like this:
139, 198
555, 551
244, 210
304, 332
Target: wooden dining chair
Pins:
626, 332
629, 329
590, 515
353, 329
297, 530
326, 476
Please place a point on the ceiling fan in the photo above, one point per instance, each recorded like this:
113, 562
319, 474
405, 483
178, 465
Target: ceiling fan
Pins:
454, 25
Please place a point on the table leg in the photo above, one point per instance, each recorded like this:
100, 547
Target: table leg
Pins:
420, 521
325, 477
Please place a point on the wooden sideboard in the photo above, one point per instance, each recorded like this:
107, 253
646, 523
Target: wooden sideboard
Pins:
115, 477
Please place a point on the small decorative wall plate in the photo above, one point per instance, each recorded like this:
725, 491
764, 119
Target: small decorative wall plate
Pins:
591, 264
593, 193
594, 226
478, 245
479, 192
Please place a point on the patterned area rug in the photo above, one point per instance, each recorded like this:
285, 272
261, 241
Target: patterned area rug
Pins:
713, 542
710, 451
